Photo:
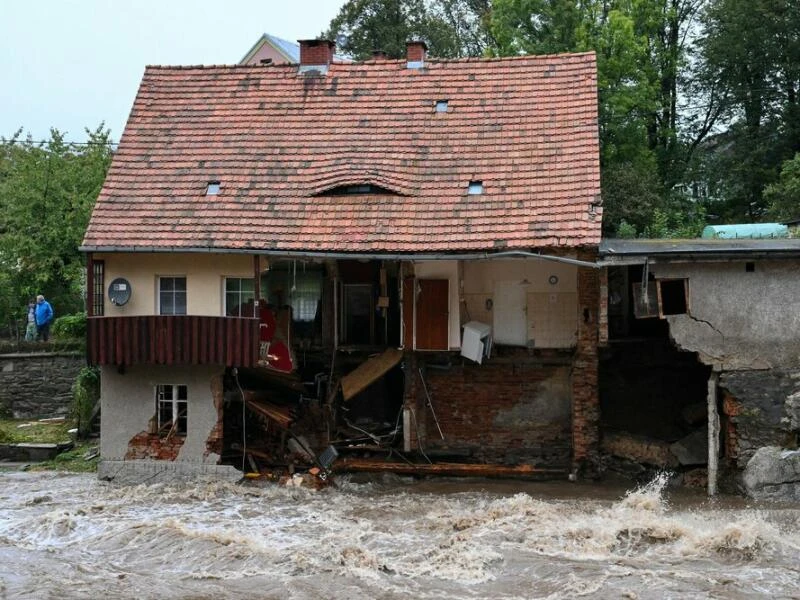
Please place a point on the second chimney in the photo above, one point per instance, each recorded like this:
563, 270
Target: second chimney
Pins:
415, 54
316, 55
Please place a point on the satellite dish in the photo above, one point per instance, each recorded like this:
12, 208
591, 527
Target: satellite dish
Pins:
119, 292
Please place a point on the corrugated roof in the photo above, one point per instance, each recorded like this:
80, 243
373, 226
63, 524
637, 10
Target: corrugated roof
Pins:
278, 141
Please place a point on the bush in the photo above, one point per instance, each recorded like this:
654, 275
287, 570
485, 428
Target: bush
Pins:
70, 327
85, 395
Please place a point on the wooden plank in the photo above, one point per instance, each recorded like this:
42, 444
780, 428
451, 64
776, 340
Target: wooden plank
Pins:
195, 340
369, 371
448, 469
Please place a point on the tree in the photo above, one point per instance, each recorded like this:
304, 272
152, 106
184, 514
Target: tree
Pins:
451, 28
783, 197
751, 54
47, 191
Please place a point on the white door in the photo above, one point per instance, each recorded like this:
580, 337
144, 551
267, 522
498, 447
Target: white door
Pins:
508, 307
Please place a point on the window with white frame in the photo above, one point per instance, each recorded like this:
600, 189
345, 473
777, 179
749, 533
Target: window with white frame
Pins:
239, 297
172, 295
171, 409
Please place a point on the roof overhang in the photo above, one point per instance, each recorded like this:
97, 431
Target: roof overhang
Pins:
614, 252
320, 255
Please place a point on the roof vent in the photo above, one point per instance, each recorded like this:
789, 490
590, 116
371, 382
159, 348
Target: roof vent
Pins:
415, 54
316, 55
212, 189
441, 106
475, 187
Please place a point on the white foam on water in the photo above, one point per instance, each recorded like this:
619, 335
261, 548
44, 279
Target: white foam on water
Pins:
381, 539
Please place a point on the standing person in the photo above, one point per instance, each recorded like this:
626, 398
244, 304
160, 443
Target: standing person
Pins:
30, 330
44, 316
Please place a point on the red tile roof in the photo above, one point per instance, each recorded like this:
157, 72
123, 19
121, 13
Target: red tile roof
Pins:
278, 141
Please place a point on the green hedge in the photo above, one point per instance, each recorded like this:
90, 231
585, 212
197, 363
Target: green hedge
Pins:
69, 327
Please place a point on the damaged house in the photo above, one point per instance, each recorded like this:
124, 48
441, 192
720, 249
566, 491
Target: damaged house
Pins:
389, 263
702, 365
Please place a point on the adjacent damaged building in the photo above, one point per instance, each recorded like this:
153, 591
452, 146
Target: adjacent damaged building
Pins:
389, 263
702, 365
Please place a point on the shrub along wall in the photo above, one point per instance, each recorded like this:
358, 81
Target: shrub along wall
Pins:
38, 385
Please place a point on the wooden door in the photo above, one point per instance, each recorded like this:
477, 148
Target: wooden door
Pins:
432, 314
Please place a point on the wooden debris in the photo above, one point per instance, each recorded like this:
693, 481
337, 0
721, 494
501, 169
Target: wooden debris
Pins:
451, 469
371, 370
280, 415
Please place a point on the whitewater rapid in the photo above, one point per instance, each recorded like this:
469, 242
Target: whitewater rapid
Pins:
72, 536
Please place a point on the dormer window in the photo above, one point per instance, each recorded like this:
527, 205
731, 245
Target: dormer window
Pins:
475, 188
212, 189
441, 106
361, 188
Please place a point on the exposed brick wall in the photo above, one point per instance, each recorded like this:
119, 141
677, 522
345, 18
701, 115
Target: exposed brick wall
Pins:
154, 447
585, 398
509, 410
214, 440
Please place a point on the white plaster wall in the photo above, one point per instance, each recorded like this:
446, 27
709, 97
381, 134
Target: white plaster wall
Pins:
445, 269
204, 279
127, 403
736, 319
551, 310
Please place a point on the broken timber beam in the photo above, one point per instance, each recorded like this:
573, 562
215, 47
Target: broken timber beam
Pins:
448, 469
369, 371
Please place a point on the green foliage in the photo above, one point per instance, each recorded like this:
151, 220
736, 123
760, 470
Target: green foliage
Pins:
70, 327
85, 395
450, 28
783, 197
750, 58
47, 191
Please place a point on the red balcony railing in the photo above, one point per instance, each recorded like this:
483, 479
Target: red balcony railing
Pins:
173, 340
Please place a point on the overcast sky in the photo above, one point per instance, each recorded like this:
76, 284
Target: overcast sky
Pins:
71, 64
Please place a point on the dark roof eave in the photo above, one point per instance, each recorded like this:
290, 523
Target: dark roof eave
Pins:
418, 256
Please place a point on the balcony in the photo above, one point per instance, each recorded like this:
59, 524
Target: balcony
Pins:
173, 340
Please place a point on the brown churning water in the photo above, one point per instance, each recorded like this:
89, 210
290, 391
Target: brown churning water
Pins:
71, 536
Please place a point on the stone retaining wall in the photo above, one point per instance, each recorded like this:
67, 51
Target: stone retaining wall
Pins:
38, 385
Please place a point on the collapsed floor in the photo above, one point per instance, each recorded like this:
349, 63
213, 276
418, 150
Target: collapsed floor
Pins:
403, 413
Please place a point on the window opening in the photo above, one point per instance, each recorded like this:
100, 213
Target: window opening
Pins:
672, 295
441, 106
475, 188
98, 288
212, 189
239, 297
171, 409
361, 188
172, 295
749, 267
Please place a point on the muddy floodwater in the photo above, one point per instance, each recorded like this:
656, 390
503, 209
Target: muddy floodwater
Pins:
72, 536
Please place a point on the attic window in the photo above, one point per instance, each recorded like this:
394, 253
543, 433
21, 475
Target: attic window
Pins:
361, 188
441, 106
475, 188
213, 188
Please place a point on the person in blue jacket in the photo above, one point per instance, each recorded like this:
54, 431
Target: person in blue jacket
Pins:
44, 316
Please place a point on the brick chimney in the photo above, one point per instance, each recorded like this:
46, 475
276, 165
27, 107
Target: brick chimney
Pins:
415, 54
316, 55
